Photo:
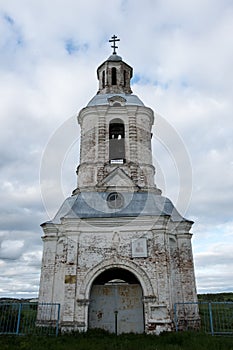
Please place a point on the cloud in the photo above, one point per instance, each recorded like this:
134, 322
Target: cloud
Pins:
218, 257
11, 249
20, 261
181, 53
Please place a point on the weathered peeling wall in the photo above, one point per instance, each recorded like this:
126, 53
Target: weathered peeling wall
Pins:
73, 259
94, 153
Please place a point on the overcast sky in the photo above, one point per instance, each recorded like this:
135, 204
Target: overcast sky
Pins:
182, 56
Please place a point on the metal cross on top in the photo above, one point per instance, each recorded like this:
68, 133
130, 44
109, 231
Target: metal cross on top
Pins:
113, 40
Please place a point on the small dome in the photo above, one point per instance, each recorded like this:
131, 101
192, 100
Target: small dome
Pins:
114, 57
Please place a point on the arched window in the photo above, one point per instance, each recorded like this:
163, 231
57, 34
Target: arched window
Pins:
116, 141
103, 79
114, 76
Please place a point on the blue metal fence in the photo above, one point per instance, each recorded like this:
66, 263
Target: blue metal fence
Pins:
215, 318
29, 318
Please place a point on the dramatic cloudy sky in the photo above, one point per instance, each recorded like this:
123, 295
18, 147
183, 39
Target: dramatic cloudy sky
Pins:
182, 55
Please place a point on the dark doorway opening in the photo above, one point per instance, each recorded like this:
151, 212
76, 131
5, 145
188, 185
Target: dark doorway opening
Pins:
116, 302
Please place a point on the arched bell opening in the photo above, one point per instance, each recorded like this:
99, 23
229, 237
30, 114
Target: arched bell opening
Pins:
116, 302
114, 76
103, 79
124, 78
116, 141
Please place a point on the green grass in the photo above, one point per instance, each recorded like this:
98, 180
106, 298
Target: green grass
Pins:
216, 297
99, 340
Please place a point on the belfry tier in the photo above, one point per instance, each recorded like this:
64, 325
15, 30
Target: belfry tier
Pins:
115, 134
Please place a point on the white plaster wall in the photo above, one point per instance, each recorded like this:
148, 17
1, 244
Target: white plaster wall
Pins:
74, 257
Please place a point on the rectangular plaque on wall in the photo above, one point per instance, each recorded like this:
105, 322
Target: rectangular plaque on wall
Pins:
139, 248
70, 279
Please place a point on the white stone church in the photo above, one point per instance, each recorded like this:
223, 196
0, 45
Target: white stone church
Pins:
117, 255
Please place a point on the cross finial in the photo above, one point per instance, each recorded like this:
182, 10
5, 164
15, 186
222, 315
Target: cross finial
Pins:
113, 40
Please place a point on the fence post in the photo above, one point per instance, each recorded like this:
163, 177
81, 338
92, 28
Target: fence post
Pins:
58, 319
18, 320
211, 319
175, 317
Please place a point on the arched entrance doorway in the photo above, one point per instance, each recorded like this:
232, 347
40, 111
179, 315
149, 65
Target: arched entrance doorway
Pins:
116, 302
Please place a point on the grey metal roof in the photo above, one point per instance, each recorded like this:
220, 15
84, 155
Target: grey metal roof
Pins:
87, 205
102, 99
114, 57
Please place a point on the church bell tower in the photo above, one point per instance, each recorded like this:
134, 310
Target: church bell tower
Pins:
117, 255
115, 134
